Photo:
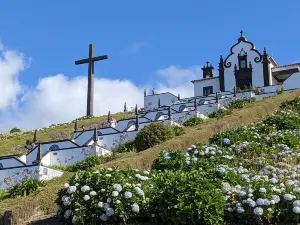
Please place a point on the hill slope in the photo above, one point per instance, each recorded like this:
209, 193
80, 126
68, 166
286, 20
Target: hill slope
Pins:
10, 141
24, 208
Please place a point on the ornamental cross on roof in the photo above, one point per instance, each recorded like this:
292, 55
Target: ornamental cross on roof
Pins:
207, 63
241, 33
90, 93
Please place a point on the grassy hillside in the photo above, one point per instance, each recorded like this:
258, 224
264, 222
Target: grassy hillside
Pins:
44, 199
10, 141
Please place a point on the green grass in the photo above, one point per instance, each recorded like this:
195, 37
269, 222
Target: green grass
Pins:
6, 144
44, 200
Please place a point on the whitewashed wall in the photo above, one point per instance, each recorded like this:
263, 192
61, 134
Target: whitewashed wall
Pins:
292, 82
46, 173
257, 72
114, 140
198, 85
10, 162
151, 101
45, 147
67, 156
180, 118
10, 177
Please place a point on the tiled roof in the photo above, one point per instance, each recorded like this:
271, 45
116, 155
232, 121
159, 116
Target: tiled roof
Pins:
204, 79
294, 64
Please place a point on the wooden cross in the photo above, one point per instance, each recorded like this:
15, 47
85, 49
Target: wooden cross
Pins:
241, 33
207, 63
90, 93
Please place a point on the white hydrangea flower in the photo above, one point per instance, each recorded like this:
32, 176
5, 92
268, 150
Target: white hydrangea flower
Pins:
100, 204
135, 208
258, 211
296, 210
240, 209
85, 188
128, 194
276, 198
260, 201
117, 187
296, 203
68, 213
262, 190
115, 193
71, 189
108, 200
139, 191
67, 201
57, 209
104, 217
288, 197
93, 193
66, 185
86, 197
109, 212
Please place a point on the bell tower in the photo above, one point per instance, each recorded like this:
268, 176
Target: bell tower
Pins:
207, 70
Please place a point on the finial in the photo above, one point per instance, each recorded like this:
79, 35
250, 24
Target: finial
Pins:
221, 58
95, 135
265, 51
169, 112
35, 136
39, 154
217, 97
136, 109
137, 122
108, 116
178, 96
207, 63
241, 33
250, 64
125, 107
145, 92
76, 125
159, 102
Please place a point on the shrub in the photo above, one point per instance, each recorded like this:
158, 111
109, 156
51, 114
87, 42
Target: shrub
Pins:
106, 195
193, 122
3, 194
151, 135
185, 198
177, 130
128, 146
220, 113
25, 187
87, 164
237, 104
15, 130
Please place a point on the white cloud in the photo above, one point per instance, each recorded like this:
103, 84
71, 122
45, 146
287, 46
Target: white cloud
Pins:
58, 99
11, 64
135, 47
178, 80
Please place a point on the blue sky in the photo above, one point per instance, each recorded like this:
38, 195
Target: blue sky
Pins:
140, 38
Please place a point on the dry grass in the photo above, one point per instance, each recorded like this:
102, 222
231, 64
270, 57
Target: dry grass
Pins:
24, 208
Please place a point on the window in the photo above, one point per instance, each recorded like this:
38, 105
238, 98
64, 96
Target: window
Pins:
207, 90
243, 64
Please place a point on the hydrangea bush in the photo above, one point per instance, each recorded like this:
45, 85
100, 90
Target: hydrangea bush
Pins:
248, 175
105, 195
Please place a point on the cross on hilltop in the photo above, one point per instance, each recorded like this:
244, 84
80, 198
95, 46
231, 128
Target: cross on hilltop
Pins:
90, 93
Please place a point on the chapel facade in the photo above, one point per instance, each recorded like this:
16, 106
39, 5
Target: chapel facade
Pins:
243, 68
